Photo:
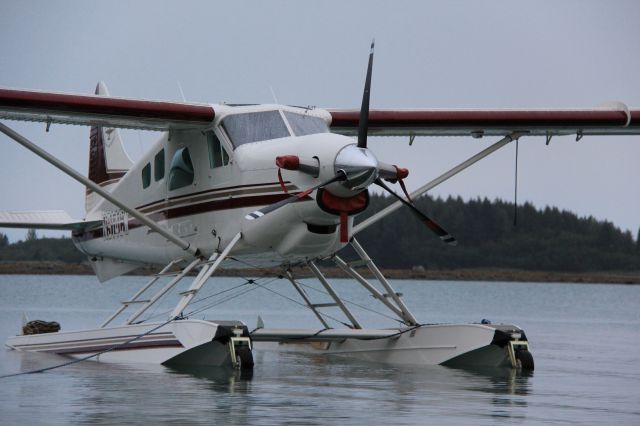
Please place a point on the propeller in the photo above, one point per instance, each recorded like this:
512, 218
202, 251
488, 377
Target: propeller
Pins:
293, 162
340, 176
433, 226
357, 168
363, 124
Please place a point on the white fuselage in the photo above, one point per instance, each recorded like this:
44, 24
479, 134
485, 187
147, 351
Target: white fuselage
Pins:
210, 210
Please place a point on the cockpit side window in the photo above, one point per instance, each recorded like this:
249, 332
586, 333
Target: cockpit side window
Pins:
304, 124
146, 176
218, 156
254, 127
158, 165
181, 173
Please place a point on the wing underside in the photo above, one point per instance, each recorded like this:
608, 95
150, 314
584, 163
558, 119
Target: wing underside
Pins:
614, 120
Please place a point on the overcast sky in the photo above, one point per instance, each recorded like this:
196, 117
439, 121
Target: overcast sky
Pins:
454, 54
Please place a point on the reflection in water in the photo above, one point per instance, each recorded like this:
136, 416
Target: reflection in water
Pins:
223, 378
284, 387
507, 387
591, 380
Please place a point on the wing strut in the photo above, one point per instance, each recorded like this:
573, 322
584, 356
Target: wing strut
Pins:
437, 181
98, 190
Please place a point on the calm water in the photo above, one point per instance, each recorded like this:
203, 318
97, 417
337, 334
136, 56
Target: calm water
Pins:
585, 341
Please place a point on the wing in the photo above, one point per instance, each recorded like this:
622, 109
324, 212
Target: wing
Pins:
93, 110
614, 119
50, 219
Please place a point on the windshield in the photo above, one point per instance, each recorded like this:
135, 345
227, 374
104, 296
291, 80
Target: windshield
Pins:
304, 124
254, 127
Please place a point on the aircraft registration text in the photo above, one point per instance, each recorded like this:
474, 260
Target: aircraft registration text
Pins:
115, 224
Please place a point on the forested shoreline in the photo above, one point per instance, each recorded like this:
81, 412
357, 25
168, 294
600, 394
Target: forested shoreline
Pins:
542, 240
546, 239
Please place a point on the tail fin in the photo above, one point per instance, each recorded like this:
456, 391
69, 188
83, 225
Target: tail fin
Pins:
108, 161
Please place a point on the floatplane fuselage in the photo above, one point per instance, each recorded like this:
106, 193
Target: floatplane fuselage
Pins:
201, 184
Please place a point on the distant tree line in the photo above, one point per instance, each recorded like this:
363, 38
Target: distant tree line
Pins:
44, 249
4, 240
544, 239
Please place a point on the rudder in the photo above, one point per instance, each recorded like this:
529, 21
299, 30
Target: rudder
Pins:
108, 161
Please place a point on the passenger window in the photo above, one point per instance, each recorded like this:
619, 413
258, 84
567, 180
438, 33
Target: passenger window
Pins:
181, 173
217, 154
146, 176
158, 165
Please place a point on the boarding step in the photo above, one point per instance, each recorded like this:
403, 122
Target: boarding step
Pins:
167, 274
356, 263
210, 261
323, 305
131, 302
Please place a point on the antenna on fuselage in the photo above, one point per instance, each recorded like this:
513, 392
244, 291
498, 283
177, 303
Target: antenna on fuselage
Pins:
181, 91
273, 93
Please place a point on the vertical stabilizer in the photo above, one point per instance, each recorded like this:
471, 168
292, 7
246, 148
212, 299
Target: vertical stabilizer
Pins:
108, 161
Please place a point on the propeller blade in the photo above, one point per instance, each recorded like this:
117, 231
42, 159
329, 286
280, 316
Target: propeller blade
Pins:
437, 229
363, 125
295, 197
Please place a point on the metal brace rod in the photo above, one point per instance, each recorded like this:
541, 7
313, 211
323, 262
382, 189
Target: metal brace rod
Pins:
374, 292
333, 294
202, 279
144, 288
97, 189
162, 292
406, 314
304, 296
437, 181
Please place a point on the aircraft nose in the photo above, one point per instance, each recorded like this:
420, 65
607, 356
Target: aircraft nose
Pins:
360, 166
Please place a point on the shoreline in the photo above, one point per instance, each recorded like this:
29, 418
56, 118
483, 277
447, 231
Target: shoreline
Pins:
605, 277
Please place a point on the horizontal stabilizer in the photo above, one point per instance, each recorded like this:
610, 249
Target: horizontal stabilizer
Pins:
49, 219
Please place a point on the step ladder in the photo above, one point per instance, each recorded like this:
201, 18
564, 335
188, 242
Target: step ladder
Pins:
207, 268
337, 302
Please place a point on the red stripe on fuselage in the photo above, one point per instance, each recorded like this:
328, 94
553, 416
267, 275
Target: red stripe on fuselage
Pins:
228, 191
197, 208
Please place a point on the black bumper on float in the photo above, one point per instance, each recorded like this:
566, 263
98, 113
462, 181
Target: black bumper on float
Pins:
508, 348
514, 340
236, 336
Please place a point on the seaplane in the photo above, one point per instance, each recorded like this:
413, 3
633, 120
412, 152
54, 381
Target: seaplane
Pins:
266, 185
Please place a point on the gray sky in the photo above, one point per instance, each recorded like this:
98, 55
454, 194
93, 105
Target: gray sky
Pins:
454, 54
